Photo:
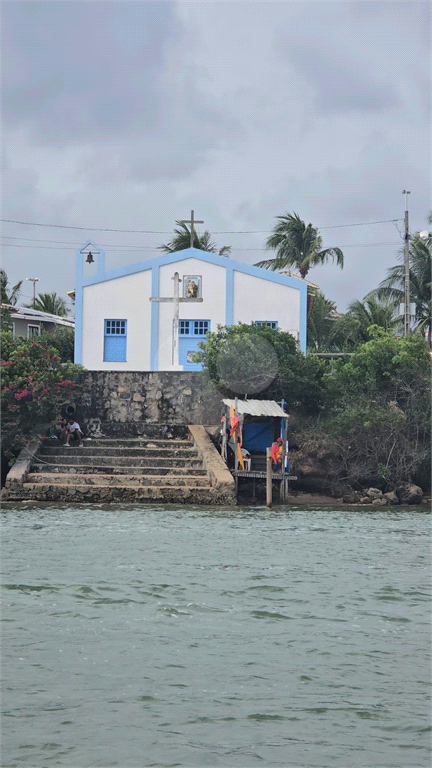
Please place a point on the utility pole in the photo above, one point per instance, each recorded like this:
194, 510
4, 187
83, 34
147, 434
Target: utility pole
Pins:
33, 280
407, 320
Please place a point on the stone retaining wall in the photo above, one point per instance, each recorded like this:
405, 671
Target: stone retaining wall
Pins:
177, 397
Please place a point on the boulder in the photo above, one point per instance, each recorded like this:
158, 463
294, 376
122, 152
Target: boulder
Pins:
374, 493
351, 498
391, 497
381, 501
408, 493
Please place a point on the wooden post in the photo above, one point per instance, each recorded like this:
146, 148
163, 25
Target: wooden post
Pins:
236, 461
268, 477
224, 439
284, 481
192, 221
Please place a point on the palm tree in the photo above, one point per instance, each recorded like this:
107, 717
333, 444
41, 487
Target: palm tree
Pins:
297, 245
8, 295
182, 239
392, 288
352, 329
51, 303
321, 320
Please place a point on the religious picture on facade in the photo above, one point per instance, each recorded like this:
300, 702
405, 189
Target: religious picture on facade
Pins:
192, 287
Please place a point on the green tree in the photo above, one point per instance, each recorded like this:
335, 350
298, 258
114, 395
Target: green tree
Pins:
51, 303
320, 324
297, 245
35, 384
182, 240
354, 327
388, 365
378, 410
263, 362
392, 288
9, 296
61, 339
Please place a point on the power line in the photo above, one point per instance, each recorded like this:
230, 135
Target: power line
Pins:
87, 229
163, 232
361, 224
138, 248
58, 248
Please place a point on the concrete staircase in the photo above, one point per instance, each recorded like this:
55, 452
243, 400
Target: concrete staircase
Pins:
145, 468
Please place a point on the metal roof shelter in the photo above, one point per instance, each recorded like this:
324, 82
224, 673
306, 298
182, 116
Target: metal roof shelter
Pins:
254, 424
256, 408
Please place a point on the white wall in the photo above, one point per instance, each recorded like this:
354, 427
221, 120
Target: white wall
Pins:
212, 307
258, 299
128, 298
125, 298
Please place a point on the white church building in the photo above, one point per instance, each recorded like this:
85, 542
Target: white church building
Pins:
150, 316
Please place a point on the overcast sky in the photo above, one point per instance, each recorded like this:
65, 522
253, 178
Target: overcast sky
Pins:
127, 115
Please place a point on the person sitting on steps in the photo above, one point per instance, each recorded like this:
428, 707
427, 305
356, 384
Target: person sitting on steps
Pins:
73, 430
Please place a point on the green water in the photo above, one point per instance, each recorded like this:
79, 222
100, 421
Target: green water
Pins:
143, 636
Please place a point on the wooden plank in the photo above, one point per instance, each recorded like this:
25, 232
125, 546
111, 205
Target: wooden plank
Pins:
262, 475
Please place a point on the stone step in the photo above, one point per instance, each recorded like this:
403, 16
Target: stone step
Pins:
79, 458
118, 470
121, 494
140, 429
126, 442
133, 442
128, 480
109, 451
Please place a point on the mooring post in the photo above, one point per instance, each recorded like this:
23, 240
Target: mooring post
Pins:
268, 477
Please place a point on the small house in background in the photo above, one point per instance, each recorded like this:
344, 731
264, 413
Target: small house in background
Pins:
151, 316
28, 322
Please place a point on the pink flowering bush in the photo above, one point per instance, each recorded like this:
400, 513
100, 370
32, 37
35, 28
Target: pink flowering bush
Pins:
34, 386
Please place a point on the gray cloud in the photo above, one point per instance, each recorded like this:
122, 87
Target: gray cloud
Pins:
129, 114
73, 68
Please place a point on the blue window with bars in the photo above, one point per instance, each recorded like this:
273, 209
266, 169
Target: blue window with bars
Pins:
270, 323
115, 338
193, 327
191, 332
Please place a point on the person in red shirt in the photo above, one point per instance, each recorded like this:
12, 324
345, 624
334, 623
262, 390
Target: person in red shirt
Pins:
276, 454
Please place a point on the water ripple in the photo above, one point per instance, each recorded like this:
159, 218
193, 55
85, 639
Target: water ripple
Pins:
191, 637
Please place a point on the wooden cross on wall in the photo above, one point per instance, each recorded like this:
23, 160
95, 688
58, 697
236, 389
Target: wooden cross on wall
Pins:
192, 221
176, 299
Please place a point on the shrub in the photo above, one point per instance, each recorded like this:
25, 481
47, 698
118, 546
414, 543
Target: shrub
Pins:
35, 384
378, 410
264, 363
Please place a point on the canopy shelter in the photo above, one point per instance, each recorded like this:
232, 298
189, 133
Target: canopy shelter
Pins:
248, 428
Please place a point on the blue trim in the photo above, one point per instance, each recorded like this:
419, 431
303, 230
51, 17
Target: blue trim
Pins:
303, 319
267, 323
228, 264
191, 328
80, 282
194, 253
154, 321
115, 341
229, 293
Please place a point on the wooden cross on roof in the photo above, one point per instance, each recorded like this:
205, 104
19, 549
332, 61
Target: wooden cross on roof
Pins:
192, 221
